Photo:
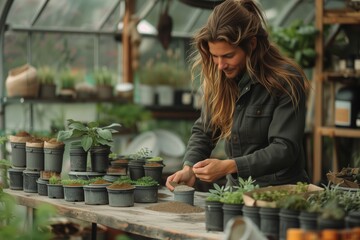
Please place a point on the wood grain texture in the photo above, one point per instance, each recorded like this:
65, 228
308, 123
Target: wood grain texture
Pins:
136, 220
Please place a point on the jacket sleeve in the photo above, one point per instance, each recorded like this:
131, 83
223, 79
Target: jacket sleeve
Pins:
200, 144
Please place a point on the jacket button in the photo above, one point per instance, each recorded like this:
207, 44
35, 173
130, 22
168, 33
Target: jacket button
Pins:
258, 112
235, 139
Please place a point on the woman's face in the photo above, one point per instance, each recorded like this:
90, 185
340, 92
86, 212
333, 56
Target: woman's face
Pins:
228, 58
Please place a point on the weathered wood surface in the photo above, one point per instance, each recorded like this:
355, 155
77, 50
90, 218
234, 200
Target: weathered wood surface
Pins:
136, 219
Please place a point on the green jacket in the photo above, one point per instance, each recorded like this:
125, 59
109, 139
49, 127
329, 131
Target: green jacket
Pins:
266, 140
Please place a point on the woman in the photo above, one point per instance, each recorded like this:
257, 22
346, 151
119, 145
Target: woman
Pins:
254, 99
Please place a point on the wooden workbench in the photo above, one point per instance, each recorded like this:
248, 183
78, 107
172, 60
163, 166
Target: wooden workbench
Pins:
137, 219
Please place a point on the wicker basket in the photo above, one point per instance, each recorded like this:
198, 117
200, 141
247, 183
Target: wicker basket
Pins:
22, 82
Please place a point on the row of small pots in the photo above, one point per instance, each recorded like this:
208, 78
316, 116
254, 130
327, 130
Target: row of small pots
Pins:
273, 222
104, 194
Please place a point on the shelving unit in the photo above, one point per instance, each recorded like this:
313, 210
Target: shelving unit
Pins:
323, 17
158, 112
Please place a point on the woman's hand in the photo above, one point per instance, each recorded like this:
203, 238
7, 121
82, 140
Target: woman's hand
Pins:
210, 170
186, 175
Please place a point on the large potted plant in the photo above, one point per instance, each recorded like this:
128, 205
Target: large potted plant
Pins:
94, 138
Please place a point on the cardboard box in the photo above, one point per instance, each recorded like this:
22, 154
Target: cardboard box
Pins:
250, 201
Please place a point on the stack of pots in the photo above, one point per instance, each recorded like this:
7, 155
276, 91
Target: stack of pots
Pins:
18, 159
33, 162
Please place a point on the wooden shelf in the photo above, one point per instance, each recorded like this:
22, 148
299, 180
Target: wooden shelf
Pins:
336, 76
339, 132
323, 17
341, 16
174, 112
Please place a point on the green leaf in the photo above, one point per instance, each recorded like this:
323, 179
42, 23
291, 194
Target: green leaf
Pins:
64, 135
93, 124
86, 143
105, 134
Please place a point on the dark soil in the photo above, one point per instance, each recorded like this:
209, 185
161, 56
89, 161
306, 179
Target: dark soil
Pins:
175, 207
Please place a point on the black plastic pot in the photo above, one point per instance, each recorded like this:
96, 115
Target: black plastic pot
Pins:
352, 220
214, 217
308, 220
30, 178
73, 193
146, 194
252, 213
230, 211
323, 223
288, 219
269, 224
16, 178
34, 158
53, 159
78, 159
100, 158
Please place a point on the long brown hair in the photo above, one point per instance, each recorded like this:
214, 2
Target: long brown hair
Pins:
237, 22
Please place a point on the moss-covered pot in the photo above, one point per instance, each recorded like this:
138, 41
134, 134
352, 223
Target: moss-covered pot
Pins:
96, 194
119, 197
74, 193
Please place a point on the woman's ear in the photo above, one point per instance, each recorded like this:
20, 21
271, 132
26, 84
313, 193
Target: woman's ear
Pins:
253, 43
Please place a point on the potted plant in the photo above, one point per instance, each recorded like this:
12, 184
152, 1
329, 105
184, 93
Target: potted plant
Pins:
55, 188
73, 189
104, 82
95, 193
233, 199
121, 194
53, 155
78, 157
35, 154
118, 167
18, 151
137, 162
290, 208
94, 138
146, 190
46, 77
184, 193
214, 217
154, 169
67, 84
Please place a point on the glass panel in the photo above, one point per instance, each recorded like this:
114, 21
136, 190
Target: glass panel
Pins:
110, 54
2, 4
23, 12
112, 22
15, 50
80, 13
63, 50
